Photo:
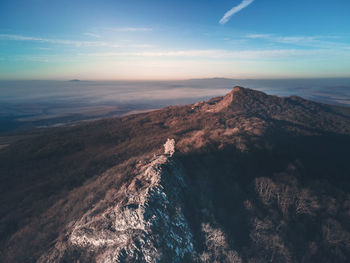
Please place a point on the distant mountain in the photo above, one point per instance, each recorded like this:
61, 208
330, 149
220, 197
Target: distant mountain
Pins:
247, 177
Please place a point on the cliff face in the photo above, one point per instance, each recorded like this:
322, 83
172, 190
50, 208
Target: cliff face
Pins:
253, 178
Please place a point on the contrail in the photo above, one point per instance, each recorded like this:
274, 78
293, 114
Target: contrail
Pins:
235, 10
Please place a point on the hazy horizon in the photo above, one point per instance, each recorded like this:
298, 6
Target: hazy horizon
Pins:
169, 91
170, 79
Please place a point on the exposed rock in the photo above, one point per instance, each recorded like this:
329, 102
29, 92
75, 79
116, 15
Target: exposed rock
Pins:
145, 224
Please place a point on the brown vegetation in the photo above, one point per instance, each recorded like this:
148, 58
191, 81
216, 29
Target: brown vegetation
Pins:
268, 177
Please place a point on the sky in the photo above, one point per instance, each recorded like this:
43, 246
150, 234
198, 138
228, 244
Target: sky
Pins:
162, 39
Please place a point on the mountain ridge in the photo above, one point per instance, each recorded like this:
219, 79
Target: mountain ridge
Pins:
266, 180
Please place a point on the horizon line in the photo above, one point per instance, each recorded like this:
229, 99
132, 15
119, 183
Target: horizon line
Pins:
179, 79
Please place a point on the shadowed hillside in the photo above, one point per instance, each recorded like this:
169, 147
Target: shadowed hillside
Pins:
254, 178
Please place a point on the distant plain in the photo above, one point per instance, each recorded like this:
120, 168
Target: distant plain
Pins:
27, 105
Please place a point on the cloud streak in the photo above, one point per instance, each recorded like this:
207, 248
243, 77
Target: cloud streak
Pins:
132, 29
58, 41
223, 54
70, 42
92, 35
234, 11
305, 41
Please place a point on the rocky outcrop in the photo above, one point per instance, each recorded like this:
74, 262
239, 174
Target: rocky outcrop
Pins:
146, 223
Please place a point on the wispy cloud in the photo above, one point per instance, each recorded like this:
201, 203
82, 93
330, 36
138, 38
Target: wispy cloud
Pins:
306, 41
235, 10
222, 54
285, 39
58, 41
92, 35
142, 46
258, 36
132, 29
71, 42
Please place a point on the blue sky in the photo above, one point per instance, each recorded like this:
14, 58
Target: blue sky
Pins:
149, 39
